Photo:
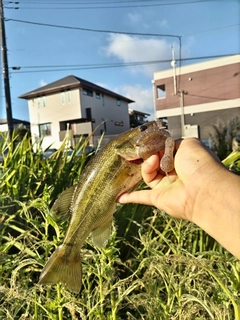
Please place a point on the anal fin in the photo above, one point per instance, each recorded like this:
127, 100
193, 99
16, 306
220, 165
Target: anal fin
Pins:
101, 235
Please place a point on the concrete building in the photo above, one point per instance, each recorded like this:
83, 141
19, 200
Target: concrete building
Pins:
198, 95
79, 105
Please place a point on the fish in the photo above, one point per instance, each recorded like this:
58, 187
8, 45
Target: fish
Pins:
91, 203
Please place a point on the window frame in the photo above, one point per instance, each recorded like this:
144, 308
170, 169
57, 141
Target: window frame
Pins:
87, 92
69, 96
98, 95
44, 101
161, 91
39, 102
119, 123
63, 97
46, 132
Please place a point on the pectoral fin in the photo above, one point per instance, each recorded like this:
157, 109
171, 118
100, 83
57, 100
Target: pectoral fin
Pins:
60, 210
101, 235
130, 170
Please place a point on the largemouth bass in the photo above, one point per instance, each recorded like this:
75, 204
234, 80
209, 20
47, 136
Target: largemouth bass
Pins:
91, 203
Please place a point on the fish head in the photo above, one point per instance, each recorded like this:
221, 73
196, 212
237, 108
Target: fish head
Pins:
140, 143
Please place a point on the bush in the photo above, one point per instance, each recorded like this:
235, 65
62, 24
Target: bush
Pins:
154, 267
222, 136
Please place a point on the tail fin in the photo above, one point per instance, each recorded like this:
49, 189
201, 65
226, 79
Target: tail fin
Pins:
61, 267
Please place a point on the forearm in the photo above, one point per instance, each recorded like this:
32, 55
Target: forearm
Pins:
217, 210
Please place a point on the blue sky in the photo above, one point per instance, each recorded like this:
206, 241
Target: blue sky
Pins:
206, 27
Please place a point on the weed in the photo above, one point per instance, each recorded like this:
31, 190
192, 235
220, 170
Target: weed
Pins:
154, 267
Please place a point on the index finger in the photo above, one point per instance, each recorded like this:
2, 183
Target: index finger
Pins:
151, 171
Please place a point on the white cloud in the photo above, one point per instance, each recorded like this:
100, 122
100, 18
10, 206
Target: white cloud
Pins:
134, 17
164, 23
42, 83
143, 97
132, 49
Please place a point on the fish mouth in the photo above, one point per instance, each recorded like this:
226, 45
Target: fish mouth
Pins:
138, 161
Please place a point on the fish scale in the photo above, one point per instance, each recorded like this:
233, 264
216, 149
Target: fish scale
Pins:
91, 203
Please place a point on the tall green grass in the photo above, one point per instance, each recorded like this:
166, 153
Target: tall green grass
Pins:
154, 267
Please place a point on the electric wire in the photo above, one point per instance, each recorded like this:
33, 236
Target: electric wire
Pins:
93, 30
115, 6
107, 65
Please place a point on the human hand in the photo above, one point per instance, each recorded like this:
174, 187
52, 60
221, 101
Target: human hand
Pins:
180, 191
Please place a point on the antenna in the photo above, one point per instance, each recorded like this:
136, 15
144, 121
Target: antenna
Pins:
173, 64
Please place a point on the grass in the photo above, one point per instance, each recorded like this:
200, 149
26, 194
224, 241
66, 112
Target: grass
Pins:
154, 267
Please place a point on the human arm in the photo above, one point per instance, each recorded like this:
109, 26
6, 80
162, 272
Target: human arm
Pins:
200, 190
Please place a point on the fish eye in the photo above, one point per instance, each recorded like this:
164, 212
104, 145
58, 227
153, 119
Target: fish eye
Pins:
143, 128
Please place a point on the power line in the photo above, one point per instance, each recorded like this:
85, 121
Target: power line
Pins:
108, 65
104, 31
88, 67
115, 6
94, 30
103, 1
210, 30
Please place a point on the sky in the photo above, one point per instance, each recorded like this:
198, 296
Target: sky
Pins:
101, 40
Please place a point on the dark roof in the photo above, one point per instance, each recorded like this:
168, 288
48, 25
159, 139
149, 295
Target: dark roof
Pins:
69, 82
15, 121
131, 111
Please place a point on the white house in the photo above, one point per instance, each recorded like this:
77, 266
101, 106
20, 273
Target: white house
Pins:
78, 104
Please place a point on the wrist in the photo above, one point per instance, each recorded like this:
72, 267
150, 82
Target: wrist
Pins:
206, 194
200, 172
216, 210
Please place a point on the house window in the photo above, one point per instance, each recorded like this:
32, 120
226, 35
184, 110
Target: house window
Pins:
63, 97
98, 96
103, 100
88, 92
117, 123
39, 102
161, 91
118, 102
140, 118
89, 114
69, 96
45, 129
44, 101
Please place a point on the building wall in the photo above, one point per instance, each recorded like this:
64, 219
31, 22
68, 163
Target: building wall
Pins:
72, 105
3, 127
207, 91
203, 120
106, 108
52, 109
200, 87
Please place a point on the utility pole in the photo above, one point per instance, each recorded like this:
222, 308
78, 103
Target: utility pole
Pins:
182, 113
173, 64
5, 73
